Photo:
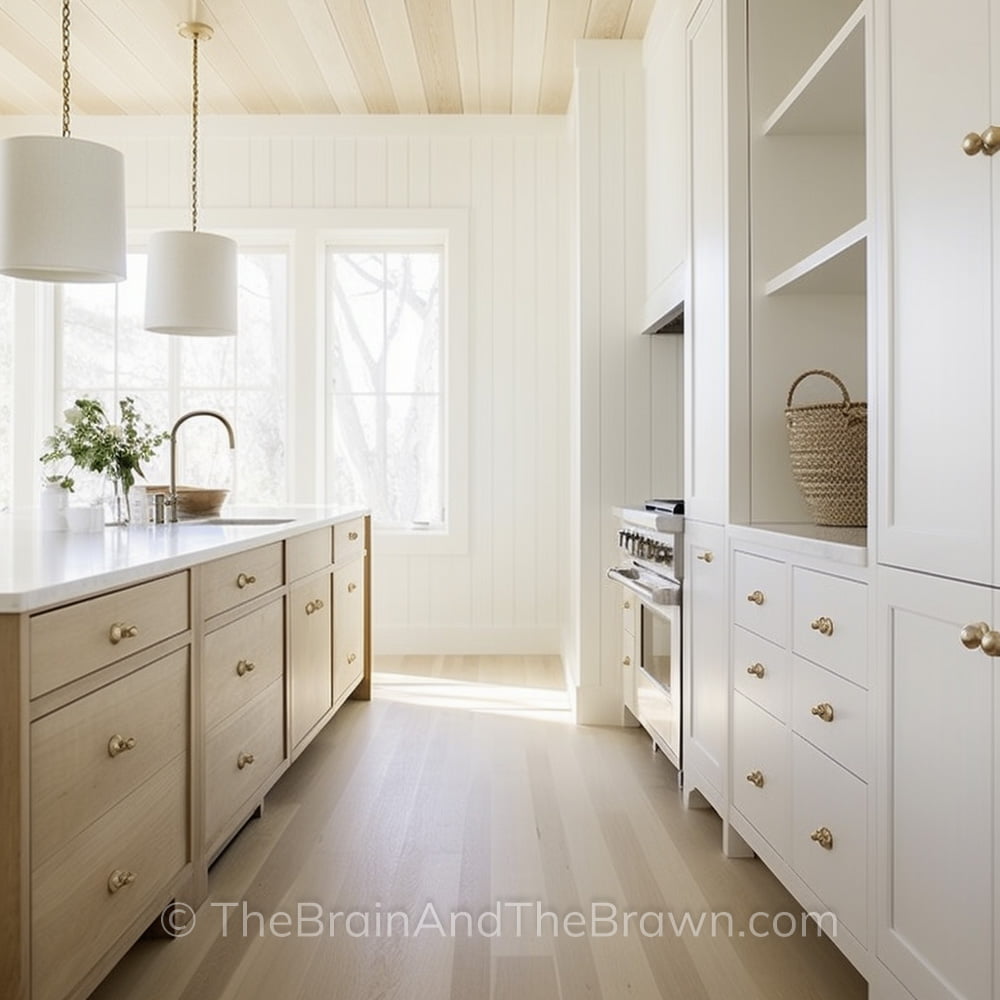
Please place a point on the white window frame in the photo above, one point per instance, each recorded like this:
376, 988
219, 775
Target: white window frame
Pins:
447, 228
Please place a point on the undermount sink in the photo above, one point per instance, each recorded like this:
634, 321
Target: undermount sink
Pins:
238, 520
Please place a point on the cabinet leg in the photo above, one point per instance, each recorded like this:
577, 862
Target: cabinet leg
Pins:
733, 845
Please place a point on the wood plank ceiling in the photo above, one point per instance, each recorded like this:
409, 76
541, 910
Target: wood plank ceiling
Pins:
306, 56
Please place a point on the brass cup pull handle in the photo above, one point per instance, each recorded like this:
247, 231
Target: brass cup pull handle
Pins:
351, 587
823, 837
823, 625
706, 556
351, 657
757, 670
245, 580
756, 598
352, 536
824, 711
244, 667
118, 879
119, 744
627, 662
244, 760
120, 631
756, 778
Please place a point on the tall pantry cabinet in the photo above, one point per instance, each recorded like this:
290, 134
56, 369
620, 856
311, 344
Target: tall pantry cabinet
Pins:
939, 208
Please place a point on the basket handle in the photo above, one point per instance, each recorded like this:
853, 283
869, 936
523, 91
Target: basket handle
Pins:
819, 371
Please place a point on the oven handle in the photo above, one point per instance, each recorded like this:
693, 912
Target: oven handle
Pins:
669, 594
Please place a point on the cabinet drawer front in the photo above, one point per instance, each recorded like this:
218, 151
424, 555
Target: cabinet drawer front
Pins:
845, 736
81, 764
74, 641
844, 605
348, 539
630, 612
628, 670
761, 672
227, 583
75, 917
827, 796
241, 659
760, 744
760, 596
348, 627
258, 730
308, 553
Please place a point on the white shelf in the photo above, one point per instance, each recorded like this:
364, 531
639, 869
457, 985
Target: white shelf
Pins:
829, 99
843, 545
839, 268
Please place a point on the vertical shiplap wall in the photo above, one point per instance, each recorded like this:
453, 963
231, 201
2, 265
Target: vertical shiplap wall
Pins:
511, 175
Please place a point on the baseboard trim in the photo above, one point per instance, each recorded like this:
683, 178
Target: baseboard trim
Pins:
418, 640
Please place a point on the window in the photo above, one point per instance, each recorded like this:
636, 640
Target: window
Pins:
6, 391
104, 352
387, 397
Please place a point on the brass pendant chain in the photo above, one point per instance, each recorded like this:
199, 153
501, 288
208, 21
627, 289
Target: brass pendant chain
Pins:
65, 70
194, 135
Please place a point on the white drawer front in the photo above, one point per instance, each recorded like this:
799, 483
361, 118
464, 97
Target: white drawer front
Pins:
760, 751
830, 622
826, 797
630, 612
760, 596
761, 672
832, 714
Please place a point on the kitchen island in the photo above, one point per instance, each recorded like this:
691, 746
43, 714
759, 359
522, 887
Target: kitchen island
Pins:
158, 680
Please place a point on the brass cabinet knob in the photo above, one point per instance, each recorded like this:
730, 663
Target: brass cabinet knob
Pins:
351, 587
627, 606
824, 711
823, 837
972, 635
118, 879
757, 669
352, 536
351, 657
756, 598
313, 606
245, 580
245, 666
706, 556
990, 644
319, 603
822, 625
627, 662
244, 759
756, 778
986, 143
119, 744
120, 631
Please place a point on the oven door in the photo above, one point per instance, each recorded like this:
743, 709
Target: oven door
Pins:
658, 678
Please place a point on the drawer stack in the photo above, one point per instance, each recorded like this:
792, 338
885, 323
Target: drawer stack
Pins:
800, 731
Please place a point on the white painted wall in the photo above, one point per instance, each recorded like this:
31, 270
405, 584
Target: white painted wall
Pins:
512, 176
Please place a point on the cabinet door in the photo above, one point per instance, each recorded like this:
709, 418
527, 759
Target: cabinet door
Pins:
936, 787
936, 447
706, 659
348, 627
706, 391
309, 618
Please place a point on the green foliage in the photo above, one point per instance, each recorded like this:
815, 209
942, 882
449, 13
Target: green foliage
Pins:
92, 442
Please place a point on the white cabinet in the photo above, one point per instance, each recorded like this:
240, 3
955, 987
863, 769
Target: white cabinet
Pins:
937, 444
937, 789
706, 663
630, 651
716, 258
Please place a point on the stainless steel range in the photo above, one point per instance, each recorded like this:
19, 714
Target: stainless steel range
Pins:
651, 543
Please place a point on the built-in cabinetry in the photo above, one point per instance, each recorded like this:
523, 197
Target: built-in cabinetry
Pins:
630, 651
142, 726
800, 730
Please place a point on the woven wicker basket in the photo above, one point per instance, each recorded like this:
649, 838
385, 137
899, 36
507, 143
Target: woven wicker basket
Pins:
828, 443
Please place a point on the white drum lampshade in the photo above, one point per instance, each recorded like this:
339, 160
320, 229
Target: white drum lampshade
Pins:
62, 209
191, 284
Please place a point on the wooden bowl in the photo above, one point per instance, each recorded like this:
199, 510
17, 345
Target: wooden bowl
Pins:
194, 501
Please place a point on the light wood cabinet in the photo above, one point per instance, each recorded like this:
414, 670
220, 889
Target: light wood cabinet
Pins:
310, 647
349, 601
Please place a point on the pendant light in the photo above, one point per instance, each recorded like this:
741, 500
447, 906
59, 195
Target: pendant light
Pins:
62, 202
191, 276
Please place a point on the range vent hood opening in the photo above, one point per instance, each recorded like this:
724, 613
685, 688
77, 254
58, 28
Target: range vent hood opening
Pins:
669, 322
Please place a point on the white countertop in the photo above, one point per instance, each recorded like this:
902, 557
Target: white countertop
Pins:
39, 568
843, 545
